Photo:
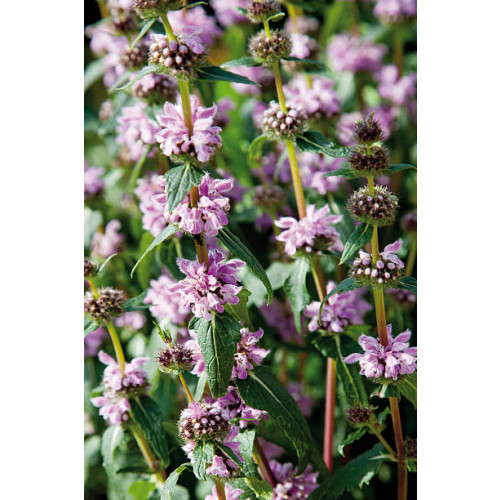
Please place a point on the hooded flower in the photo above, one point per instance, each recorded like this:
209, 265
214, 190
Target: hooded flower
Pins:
205, 290
105, 244
290, 485
235, 408
391, 361
92, 181
313, 166
197, 16
176, 140
231, 493
395, 10
248, 353
339, 311
313, 233
152, 201
136, 130
398, 90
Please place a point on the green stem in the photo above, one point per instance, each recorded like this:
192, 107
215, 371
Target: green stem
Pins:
186, 104
168, 27
275, 65
411, 257
116, 345
147, 452
137, 170
383, 441
297, 184
267, 29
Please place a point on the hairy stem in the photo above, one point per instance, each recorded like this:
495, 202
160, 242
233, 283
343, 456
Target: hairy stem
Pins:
262, 463
297, 184
279, 85
186, 388
148, 454
168, 27
120, 357
220, 488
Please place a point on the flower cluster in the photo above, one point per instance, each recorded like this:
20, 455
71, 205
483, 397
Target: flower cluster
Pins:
359, 416
386, 362
105, 244
178, 142
339, 311
203, 421
248, 353
269, 49
378, 209
156, 88
175, 359
395, 10
385, 272
113, 404
108, 304
205, 290
259, 10
152, 200
312, 234
92, 181
283, 125
238, 411
290, 484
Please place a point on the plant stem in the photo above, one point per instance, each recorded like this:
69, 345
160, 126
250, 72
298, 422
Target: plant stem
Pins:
220, 488
186, 104
147, 452
297, 184
329, 428
117, 345
398, 433
93, 288
186, 388
411, 257
168, 27
279, 85
262, 463
383, 441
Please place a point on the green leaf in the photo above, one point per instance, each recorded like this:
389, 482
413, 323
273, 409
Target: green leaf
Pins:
351, 438
135, 303
147, 70
346, 172
278, 272
402, 166
247, 437
141, 490
217, 74
408, 283
307, 64
261, 390
203, 454
147, 415
90, 327
408, 388
93, 72
240, 310
411, 465
355, 474
296, 290
254, 154
344, 286
144, 272
200, 386
142, 33
276, 17
168, 488
262, 489
361, 236
218, 340
165, 234
191, 5
180, 180
247, 61
235, 246
105, 263
230, 453
330, 346
313, 142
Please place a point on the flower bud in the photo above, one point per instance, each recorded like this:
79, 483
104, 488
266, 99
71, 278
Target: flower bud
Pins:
149, 9
385, 272
135, 58
269, 49
203, 421
175, 359
358, 416
378, 210
89, 268
269, 196
281, 125
108, 304
178, 58
369, 160
368, 131
259, 10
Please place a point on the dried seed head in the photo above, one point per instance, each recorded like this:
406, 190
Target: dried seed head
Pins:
203, 421
108, 304
368, 131
89, 268
369, 160
259, 10
135, 58
378, 210
280, 125
267, 50
409, 222
148, 9
175, 359
156, 88
359, 416
176, 58
269, 196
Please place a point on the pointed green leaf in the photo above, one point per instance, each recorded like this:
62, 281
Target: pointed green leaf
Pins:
307, 64
358, 472
351, 438
235, 246
179, 181
217, 74
261, 390
296, 289
144, 271
240, 310
165, 234
105, 263
141, 490
247, 61
262, 489
344, 286
90, 327
203, 454
346, 172
313, 142
168, 488
191, 5
361, 236
147, 70
230, 453
142, 33
278, 272
135, 303
93, 72
276, 17
218, 340
408, 283
408, 388
254, 154
402, 166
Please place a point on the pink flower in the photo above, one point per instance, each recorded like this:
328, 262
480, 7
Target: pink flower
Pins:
152, 202
105, 244
395, 10
224, 105
389, 253
303, 46
303, 24
113, 408
234, 407
133, 320
176, 140
136, 130
205, 290
391, 361
224, 466
248, 353
290, 484
351, 53
257, 74
318, 101
195, 17
312, 168
231, 493
209, 215
93, 341
193, 345
165, 303
304, 402
305, 234
398, 90
339, 311
92, 181
279, 315
345, 126
227, 12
